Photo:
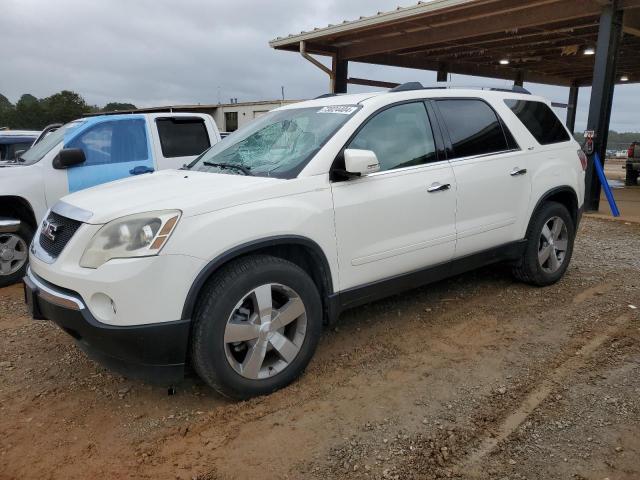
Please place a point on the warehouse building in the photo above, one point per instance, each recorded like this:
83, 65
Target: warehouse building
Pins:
228, 116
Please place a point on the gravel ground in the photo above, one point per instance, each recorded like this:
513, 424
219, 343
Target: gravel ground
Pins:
476, 377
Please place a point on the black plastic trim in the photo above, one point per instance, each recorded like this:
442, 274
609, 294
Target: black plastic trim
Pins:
390, 286
154, 352
212, 266
576, 215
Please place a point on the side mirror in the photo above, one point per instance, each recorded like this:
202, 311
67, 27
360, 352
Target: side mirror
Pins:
18, 153
68, 157
360, 162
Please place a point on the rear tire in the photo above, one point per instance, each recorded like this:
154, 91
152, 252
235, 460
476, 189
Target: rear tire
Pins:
256, 326
550, 238
14, 254
631, 179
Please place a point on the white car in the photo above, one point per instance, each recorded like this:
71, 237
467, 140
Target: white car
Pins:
233, 266
14, 143
83, 153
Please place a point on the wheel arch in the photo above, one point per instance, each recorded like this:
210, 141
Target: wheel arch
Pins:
302, 251
18, 207
564, 195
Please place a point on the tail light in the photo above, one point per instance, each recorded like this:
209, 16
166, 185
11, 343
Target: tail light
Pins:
630, 151
583, 159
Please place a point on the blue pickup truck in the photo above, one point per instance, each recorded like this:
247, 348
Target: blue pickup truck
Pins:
84, 153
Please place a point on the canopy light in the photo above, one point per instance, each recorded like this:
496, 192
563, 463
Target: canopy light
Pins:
504, 61
624, 78
589, 51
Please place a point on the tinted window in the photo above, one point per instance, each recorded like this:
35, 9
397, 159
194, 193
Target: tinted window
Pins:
473, 127
8, 150
540, 120
182, 137
116, 141
400, 136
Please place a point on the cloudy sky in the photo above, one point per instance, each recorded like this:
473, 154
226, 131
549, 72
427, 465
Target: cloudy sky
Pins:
160, 52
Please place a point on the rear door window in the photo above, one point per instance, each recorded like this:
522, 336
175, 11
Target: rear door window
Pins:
182, 137
473, 126
540, 120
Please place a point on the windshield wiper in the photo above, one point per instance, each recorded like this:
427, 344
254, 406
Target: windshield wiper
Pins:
232, 166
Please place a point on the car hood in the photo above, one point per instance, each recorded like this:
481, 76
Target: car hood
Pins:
193, 193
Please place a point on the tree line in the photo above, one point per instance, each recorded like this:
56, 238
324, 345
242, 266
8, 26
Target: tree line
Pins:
31, 113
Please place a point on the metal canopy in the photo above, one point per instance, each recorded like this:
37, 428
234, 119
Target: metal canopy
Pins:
544, 41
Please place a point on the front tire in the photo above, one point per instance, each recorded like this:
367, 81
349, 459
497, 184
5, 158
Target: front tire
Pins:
256, 326
550, 239
14, 254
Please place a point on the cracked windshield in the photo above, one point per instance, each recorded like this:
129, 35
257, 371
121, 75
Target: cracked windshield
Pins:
278, 145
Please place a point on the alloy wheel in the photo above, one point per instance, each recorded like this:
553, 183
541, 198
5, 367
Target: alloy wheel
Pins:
265, 331
553, 243
13, 253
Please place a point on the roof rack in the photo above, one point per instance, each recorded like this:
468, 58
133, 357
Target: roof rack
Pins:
404, 87
514, 89
326, 95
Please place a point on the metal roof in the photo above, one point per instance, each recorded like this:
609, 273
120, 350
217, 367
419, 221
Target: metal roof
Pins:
544, 40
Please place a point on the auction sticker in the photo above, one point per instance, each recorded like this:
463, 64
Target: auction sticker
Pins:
341, 109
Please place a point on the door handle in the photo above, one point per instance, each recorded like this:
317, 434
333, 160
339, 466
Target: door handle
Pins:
518, 171
140, 169
438, 187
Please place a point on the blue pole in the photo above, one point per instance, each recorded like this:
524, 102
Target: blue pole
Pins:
605, 184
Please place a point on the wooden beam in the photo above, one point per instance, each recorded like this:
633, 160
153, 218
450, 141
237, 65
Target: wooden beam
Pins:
371, 83
514, 41
524, 17
631, 23
465, 68
472, 11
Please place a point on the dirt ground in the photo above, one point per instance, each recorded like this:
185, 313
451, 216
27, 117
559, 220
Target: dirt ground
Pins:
476, 377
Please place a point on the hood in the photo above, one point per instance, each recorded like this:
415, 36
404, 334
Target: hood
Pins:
192, 192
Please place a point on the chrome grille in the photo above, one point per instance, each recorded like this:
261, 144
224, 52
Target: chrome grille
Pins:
55, 233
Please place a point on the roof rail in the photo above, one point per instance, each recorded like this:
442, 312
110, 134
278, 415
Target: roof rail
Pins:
418, 86
407, 86
326, 95
514, 89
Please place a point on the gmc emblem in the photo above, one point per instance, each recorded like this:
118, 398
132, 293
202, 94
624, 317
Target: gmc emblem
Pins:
49, 230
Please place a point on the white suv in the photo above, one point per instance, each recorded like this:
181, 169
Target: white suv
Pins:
233, 264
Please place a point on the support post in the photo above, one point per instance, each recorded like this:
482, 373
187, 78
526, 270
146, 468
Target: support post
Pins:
603, 84
340, 72
442, 72
572, 107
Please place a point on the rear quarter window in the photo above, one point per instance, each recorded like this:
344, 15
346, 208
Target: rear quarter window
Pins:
540, 120
182, 137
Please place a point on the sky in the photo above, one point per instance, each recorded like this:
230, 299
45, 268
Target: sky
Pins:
163, 52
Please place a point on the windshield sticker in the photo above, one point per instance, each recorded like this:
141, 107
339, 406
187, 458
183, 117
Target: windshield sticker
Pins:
341, 109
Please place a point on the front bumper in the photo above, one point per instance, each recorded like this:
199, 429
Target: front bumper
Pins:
153, 352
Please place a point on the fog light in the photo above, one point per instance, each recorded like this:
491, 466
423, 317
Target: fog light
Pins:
103, 307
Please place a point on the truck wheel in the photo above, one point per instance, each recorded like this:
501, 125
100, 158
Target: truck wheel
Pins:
631, 179
256, 326
14, 254
550, 238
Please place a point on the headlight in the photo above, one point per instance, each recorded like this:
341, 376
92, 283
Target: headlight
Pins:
140, 235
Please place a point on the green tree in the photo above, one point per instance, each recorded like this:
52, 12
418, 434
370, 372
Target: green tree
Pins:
6, 111
63, 107
28, 113
117, 106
